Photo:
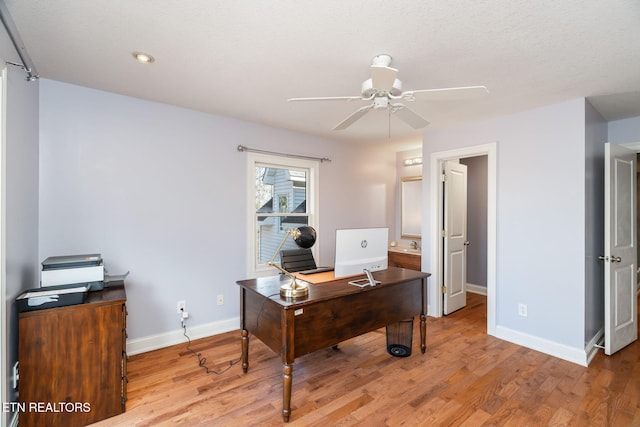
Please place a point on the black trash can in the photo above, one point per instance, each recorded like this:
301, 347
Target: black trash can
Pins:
399, 338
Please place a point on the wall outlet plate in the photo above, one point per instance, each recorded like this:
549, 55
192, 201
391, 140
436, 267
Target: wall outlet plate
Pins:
522, 310
181, 306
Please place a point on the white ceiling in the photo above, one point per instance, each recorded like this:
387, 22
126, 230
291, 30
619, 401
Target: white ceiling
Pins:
244, 59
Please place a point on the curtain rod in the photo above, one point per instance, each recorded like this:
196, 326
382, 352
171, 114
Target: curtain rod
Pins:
295, 156
12, 31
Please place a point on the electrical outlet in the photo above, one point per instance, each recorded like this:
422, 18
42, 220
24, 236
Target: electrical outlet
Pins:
220, 300
181, 306
522, 310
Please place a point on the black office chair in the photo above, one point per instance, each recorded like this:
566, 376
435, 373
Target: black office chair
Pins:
294, 260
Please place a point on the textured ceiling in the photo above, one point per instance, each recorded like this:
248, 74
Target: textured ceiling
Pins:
244, 59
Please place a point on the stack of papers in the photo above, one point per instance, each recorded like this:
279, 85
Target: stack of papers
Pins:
53, 292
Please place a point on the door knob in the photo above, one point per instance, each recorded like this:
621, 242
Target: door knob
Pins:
467, 243
612, 259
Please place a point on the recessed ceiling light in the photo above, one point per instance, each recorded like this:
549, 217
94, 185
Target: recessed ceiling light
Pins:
142, 57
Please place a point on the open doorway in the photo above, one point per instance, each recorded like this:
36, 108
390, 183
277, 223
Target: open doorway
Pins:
635, 146
620, 247
464, 231
476, 223
436, 162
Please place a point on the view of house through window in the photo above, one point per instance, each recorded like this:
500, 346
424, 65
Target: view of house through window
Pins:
280, 204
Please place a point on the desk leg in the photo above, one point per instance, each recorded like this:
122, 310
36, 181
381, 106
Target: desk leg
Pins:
423, 333
245, 350
287, 371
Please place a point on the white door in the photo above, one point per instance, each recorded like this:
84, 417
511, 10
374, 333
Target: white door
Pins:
455, 236
620, 256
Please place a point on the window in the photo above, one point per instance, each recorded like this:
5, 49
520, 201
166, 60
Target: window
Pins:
282, 195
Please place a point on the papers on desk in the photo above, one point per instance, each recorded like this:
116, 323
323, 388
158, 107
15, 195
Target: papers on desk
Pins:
52, 296
53, 292
326, 276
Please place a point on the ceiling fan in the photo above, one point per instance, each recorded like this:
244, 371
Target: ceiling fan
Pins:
384, 90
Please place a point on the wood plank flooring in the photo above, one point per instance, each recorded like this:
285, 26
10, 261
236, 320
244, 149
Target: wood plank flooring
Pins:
466, 378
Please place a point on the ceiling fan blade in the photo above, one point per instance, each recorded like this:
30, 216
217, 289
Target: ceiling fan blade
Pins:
329, 98
382, 77
446, 94
408, 116
353, 117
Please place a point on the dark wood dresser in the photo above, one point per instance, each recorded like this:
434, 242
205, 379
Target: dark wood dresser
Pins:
73, 361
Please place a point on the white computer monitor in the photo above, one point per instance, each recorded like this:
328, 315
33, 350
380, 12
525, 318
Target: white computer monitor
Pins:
358, 249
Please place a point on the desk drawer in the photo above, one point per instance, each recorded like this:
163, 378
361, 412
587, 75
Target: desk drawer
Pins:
329, 322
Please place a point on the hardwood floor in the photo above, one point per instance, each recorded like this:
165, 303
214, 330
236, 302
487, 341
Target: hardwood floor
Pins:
466, 378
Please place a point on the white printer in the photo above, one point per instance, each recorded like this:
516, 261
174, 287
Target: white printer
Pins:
73, 269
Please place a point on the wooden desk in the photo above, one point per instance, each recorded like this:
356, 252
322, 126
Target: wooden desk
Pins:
333, 312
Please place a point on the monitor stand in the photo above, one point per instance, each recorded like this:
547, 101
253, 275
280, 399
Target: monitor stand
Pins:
369, 281
372, 282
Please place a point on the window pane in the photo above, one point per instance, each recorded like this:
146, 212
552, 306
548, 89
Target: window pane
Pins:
270, 234
280, 190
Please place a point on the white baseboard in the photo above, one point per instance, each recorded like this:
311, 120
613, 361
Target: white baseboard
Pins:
591, 348
154, 342
561, 351
477, 289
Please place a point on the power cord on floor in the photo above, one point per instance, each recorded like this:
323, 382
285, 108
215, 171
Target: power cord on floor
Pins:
203, 360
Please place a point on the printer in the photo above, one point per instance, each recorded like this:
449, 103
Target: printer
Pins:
73, 269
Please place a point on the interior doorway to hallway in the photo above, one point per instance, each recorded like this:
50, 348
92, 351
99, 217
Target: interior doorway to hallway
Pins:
476, 223
436, 213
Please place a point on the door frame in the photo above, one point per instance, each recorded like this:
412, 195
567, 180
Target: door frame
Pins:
5, 393
435, 242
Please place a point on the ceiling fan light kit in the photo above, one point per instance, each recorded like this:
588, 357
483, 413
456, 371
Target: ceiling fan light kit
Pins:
384, 86
369, 90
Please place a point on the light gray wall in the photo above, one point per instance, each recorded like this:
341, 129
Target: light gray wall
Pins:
595, 138
540, 216
20, 177
624, 131
160, 191
477, 219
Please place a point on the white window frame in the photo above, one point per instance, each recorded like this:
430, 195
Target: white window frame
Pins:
312, 188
